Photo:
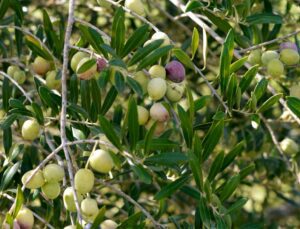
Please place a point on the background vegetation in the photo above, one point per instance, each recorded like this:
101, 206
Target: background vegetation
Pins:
218, 162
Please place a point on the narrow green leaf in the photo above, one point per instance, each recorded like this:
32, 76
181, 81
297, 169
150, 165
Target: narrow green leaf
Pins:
196, 170
135, 40
8, 121
135, 86
232, 154
8, 175
159, 144
118, 30
269, 103
264, 18
110, 132
142, 174
183, 58
109, 100
195, 42
133, 124
212, 138
237, 205
186, 125
148, 138
216, 166
86, 66
19, 201
222, 24
294, 104
247, 171
38, 112
154, 56
99, 218
247, 78
7, 139
167, 158
229, 187
231, 90
171, 187
204, 213
191, 5
131, 221
3, 7
238, 64
142, 52
260, 88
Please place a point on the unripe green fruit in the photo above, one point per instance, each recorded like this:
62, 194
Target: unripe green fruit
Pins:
255, 57
69, 201
163, 36
25, 218
53, 173
84, 180
157, 71
174, 92
289, 56
143, 115
157, 88
268, 56
275, 68
76, 59
108, 224
12, 69
295, 91
136, 6
89, 207
40, 66
51, 80
101, 161
289, 146
142, 79
19, 76
36, 181
159, 113
159, 129
89, 73
216, 201
30, 130
70, 227
51, 190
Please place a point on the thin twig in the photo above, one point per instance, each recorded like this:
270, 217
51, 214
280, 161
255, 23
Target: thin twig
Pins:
127, 197
63, 114
269, 42
17, 85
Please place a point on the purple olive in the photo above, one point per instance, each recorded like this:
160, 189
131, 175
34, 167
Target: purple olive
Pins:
288, 45
175, 71
101, 64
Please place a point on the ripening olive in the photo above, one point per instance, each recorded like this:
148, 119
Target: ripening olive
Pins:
30, 129
157, 71
101, 161
84, 180
36, 181
157, 88
143, 115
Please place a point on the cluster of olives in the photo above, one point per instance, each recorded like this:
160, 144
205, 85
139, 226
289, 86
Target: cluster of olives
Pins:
100, 161
275, 62
163, 82
48, 180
